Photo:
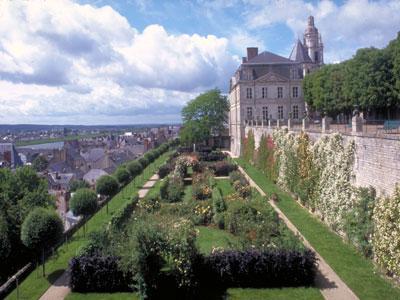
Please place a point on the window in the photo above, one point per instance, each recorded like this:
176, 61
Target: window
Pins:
265, 113
249, 113
295, 92
264, 92
249, 93
280, 112
316, 56
295, 112
280, 92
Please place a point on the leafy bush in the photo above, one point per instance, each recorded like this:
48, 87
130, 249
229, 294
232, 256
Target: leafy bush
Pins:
201, 191
243, 190
164, 170
143, 161
41, 228
134, 168
223, 168
358, 221
237, 176
386, 237
172, 189
122, 175
98, 274
261, 269
202, 213
149, 204
107, 185
84, 202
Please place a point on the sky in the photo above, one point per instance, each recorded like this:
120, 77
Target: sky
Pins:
141, 61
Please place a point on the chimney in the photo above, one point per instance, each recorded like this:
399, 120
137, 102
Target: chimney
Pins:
251, 52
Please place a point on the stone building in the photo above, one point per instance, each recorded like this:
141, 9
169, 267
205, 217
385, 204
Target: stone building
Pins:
267, 87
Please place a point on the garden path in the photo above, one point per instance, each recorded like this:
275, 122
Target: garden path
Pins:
60, 288
329, 283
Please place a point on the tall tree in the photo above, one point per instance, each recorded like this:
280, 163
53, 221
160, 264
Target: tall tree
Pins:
41, 228
204, 116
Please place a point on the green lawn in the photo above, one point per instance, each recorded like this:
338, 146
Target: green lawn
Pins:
209, 238
225, 186
358, 272
187, 196
275, 294
35, 285
105, 296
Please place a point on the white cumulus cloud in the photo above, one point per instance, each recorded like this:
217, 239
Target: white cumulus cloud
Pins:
62, 62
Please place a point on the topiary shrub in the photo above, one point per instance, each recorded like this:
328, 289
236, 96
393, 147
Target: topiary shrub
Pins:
134, 168
107, 186
41, 229
218, 207
144, 162
122, 175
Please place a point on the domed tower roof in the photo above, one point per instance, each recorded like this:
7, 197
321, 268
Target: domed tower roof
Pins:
310, 26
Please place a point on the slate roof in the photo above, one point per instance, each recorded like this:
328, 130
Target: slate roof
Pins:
267, 57
94, 174
94, 154
299, 53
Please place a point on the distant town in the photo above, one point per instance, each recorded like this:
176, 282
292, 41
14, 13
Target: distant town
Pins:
64, 155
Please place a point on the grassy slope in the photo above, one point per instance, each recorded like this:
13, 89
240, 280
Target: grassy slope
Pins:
35, 285
358, 272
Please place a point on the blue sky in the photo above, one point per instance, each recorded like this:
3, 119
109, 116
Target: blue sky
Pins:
140, 61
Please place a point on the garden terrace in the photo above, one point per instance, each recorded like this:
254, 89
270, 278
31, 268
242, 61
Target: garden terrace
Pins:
203, 238
35, 285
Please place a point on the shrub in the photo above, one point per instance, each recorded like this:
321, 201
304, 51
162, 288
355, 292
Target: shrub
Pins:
98, 274
386, 237
358, 221
122, 175
172, 189
5, 245
212, 156
164, 170
202, 213
201, 191
261, 269
223, 168
243, 190
134, 168
237, 176
84, 202
107, 185
143, 161
149, 204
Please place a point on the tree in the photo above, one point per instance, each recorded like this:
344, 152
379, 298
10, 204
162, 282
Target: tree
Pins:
41, 228
122, 175
84, 203
5, 245
204, 116
107, 186
40, 163
78, 184
134, 168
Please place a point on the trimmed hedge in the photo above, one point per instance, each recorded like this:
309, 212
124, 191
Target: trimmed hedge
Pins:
261, 269
223, 168
98, 274
212, 156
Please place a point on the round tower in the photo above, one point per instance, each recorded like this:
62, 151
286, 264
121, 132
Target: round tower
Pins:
313, 42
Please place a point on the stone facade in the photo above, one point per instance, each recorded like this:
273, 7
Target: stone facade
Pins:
267, 87
376, 164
